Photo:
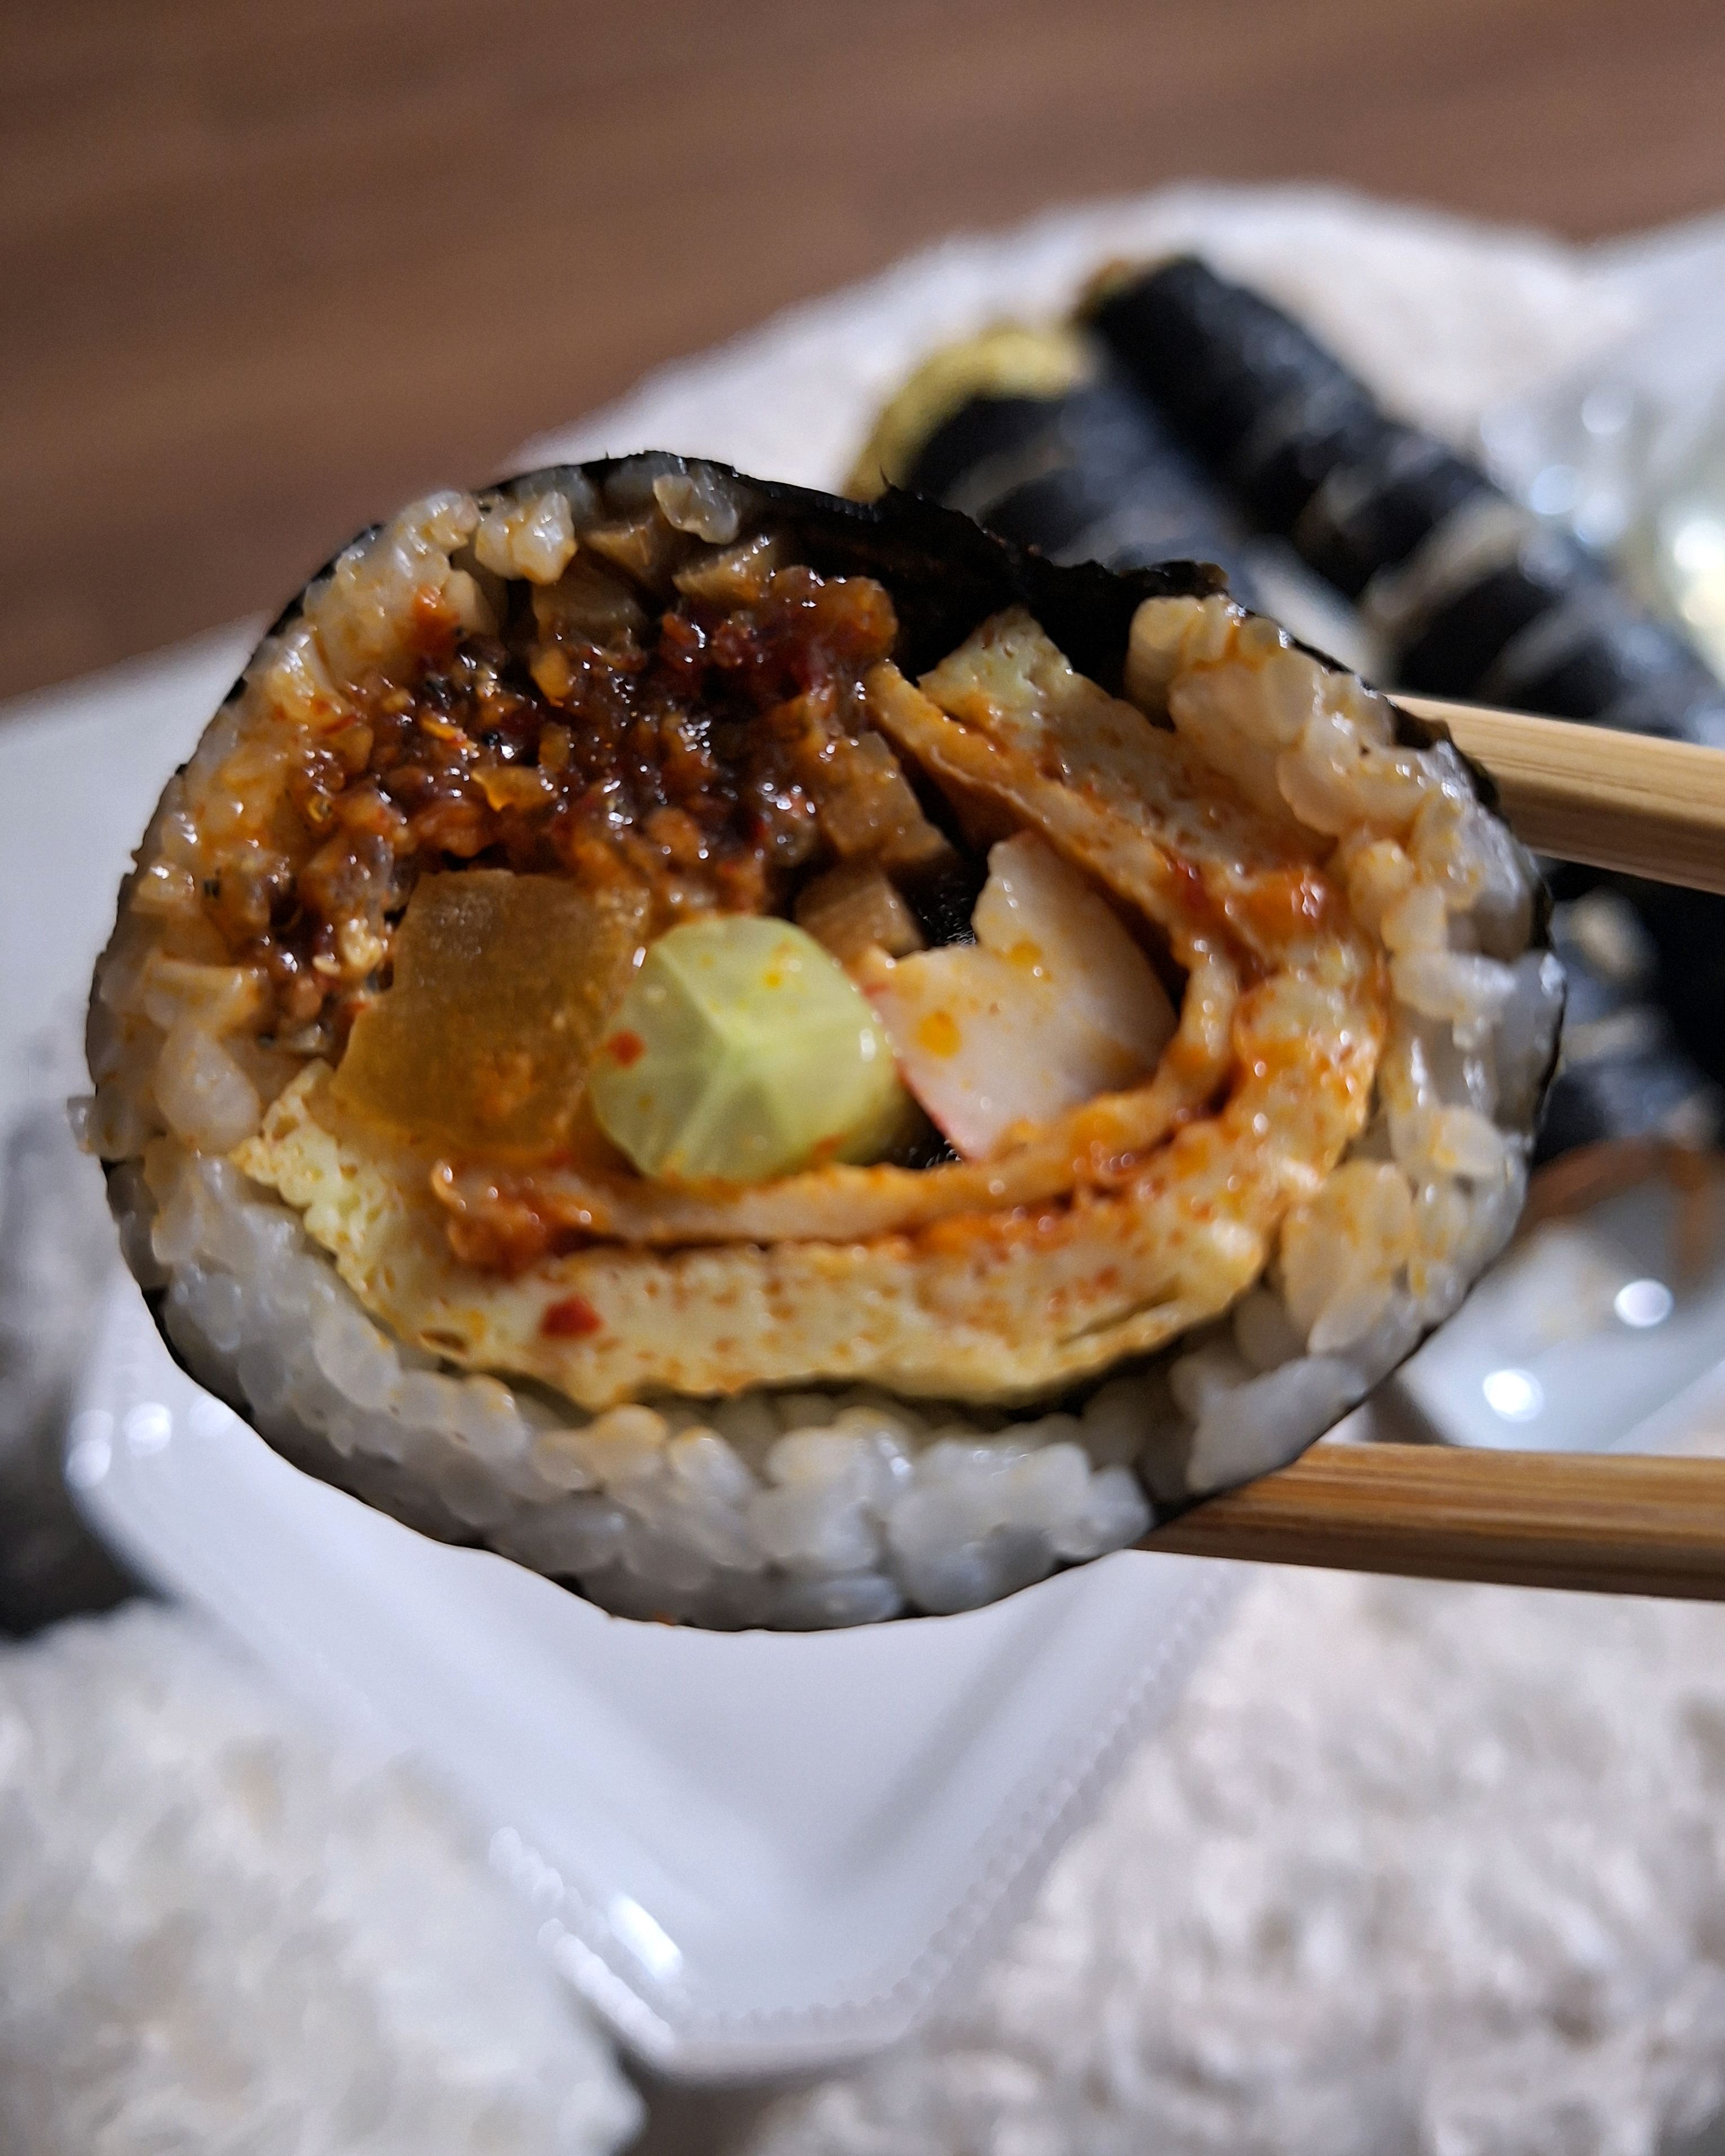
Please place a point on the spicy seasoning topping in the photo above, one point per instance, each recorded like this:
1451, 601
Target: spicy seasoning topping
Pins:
699, 758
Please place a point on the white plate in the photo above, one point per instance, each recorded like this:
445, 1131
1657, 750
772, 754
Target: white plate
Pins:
752, 1852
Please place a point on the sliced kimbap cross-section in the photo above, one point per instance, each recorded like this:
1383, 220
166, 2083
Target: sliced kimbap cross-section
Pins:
790, 1062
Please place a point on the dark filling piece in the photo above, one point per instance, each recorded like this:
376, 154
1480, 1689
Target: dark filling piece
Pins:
715, 751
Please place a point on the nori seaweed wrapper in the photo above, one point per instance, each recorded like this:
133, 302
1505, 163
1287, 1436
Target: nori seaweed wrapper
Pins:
1624, 1074
1539, 625
1081, 469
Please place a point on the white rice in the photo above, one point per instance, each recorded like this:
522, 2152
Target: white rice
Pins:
793, 1509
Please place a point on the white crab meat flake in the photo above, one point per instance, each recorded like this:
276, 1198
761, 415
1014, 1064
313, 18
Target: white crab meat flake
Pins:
1052, 1004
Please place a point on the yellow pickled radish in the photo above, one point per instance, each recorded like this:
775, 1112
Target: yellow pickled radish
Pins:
741, 1050
503, 986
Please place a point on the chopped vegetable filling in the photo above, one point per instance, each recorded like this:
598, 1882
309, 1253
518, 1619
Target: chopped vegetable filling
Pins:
743, 1050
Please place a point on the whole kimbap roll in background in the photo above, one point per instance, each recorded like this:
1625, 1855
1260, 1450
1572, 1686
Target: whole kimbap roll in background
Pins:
785, 1062
1622, 1073
1475, 596
1041, 437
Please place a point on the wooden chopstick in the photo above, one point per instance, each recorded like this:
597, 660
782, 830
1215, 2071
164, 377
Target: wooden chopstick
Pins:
1615, 1523
1620, 801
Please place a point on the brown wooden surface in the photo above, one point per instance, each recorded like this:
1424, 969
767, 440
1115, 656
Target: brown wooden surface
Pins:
1611, 1523
267, 270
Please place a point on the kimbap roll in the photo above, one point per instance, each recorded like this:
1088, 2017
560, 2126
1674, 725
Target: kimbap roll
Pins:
1041, 437
1473, 595
785, 1062
1622, 1077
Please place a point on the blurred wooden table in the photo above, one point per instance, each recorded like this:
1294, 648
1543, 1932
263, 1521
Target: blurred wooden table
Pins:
267, 270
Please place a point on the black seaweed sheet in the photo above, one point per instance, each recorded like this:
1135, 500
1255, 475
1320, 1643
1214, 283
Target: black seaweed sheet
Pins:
1092, 474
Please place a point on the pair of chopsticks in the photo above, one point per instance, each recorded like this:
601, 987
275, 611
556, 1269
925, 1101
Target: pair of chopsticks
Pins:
1613, 1523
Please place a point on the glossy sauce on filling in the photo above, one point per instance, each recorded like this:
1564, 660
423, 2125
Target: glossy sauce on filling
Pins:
710, 757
